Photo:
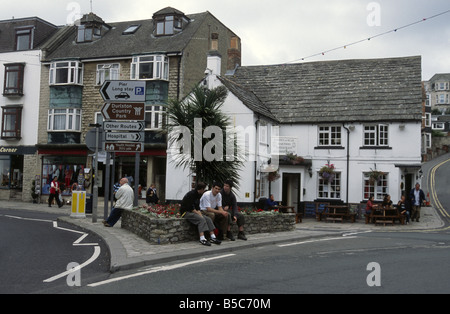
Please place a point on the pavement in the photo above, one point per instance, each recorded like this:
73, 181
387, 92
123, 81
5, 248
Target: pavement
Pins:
129, 251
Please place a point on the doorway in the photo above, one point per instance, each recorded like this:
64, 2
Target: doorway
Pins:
291, 190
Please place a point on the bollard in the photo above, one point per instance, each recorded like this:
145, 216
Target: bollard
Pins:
78, 204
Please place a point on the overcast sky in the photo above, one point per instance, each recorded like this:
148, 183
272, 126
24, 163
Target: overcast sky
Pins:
274, 32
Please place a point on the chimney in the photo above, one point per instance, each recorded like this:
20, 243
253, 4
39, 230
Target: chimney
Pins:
214, 63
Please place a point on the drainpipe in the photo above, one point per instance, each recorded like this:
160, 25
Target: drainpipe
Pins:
256, 161
348, 161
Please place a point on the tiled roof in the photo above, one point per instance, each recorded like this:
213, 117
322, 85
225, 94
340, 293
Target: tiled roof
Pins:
342, 91
115, 44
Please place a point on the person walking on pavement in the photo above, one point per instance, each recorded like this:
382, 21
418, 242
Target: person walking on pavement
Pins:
54, 193
417, 197
190, 210
124, 200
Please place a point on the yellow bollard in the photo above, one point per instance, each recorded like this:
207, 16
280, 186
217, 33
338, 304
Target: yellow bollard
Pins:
78, 204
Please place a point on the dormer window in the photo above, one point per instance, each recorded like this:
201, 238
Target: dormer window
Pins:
169, 21
86, 33
90, 28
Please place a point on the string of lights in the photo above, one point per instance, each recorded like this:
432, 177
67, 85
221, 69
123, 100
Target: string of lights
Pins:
370, 38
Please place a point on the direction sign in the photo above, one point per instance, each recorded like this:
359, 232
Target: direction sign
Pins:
112, 91
124, 147
124, 111
123, 126
125, 136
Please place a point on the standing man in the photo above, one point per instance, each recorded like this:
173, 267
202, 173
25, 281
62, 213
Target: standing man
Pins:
211, 206
417, 197
124, 200
190, 210
230, 204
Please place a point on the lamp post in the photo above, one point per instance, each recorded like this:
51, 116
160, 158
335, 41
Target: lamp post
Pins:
95, 192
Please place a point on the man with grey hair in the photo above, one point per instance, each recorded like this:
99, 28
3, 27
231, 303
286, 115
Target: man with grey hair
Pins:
124, 200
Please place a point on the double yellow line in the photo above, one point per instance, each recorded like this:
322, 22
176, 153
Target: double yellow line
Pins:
432, 181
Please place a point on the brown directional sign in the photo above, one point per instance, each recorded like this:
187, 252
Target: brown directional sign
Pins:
124, 147
124, 111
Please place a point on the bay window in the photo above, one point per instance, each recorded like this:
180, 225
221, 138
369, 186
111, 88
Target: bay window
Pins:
155, 67
64, 73
64, 120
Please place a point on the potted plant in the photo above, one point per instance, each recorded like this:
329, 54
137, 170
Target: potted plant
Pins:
293, 159
375, 176
327, 172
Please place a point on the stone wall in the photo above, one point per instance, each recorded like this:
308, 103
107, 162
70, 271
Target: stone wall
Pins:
164, 231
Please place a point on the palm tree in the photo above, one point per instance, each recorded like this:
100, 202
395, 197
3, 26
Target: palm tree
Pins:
201, 111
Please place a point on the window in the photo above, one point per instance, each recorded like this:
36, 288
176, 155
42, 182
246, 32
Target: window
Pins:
66, 73
378, 188
330, 188
442, 86
88, 33
167, 25
11, 122
329, 136
131, 30
64, 120
438, 126
427, 119
24, 39
107, 72
13, 84
376, 135
150, 67
154, 116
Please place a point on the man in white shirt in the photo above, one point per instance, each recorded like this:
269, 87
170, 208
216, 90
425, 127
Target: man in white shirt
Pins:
124, 200
211, 205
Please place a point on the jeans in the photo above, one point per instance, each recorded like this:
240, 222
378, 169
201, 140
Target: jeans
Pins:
114, 216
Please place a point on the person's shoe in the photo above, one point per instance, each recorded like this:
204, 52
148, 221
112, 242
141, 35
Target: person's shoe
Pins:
215, 241
105, 223
205, 242
241, 235
230, 236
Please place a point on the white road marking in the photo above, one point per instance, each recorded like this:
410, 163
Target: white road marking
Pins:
316, 240
158, 269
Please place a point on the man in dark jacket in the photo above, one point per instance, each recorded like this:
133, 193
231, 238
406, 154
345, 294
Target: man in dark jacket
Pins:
229, 204
417, 197
190, 210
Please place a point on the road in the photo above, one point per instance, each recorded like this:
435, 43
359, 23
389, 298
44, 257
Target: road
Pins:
34, 248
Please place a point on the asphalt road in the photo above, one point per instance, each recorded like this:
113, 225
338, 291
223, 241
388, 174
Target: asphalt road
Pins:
408, 263
34, 248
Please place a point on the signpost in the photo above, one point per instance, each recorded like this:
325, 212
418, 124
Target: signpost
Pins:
124, 115
133, 91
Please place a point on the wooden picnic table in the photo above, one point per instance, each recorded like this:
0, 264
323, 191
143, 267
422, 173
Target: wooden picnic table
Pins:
385, 215
337, 213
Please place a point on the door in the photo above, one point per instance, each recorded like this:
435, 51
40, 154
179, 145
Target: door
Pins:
291, 190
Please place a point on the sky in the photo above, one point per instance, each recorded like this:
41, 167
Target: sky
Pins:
286, 31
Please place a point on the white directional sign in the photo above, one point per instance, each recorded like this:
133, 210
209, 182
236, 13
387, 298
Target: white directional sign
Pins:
125, 136
130, 91
123, 126
124, 147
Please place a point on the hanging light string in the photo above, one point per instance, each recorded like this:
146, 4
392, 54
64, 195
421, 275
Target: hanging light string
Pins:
368, 39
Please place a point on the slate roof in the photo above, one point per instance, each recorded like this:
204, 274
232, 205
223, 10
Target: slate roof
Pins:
114, 44
368, 90
248, 98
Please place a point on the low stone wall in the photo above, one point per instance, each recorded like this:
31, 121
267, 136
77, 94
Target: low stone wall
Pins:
164, 231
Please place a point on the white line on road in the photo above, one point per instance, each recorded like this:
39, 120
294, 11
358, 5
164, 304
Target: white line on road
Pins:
158, 269
316, 240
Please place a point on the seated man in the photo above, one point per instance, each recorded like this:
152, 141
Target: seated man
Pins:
270, 203
230, 204
191, 212
211, 206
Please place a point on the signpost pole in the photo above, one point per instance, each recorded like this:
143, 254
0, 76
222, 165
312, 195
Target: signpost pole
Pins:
107, 184
137, 162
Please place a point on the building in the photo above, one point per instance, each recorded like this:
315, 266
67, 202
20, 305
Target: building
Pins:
361, 118
167, 51
20, 73
438, 92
